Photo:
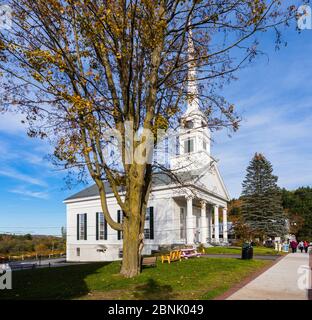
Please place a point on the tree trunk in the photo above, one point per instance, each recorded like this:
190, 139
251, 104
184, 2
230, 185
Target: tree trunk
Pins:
131, 261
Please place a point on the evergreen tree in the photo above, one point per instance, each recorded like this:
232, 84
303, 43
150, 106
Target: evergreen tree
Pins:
262, 202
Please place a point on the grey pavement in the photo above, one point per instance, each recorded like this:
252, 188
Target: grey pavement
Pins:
280, 282
44, 263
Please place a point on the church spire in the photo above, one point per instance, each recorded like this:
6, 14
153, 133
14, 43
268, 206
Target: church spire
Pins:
192, 88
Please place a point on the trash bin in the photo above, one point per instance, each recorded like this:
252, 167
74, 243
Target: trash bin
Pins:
250, 252
247, 251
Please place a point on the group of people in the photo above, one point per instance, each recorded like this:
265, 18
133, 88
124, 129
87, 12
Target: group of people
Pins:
302, 245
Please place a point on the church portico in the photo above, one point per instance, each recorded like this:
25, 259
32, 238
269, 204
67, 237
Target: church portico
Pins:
200, 221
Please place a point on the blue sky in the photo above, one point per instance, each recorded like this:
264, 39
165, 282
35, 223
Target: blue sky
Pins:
273, 96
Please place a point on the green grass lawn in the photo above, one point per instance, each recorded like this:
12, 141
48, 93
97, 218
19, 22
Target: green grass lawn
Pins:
238, 250
198, 278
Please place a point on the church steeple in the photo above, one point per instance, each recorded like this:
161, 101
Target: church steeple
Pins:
192, 85
193, 138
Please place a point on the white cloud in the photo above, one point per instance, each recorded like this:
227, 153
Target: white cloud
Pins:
282, 134
17, 150
11, 123
29, 193
11, 173
33, 158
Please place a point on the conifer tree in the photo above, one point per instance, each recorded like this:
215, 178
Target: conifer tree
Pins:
262, 203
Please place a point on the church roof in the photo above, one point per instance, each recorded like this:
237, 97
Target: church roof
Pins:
159, 179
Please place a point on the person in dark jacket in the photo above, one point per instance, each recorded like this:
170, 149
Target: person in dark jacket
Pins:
306, 246
293, 245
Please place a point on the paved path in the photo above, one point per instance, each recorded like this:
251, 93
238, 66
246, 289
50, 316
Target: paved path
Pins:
45, 263
238, 256
277, 283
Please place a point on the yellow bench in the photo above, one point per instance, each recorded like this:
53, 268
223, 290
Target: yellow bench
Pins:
174, 255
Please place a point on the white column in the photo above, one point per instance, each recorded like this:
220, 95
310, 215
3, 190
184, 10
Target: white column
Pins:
216, 223
210, 223
203, 224
189, 221
225, 230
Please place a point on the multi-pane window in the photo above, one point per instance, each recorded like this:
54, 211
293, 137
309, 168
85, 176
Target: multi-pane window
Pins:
78, 252
147, 230
101, 226
182, 224
149, 223
188, 145
82, 226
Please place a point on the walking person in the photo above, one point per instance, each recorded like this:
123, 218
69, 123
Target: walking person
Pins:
306, 246
293, 245
301, 246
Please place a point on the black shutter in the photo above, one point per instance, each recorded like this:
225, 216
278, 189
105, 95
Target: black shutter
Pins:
97, 225
105, 228
151, 216
177, 145
77, 226
85, 226
118, 220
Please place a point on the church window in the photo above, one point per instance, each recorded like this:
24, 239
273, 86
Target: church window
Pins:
204, 144
188, 145
101, 226
149, 223
82, 226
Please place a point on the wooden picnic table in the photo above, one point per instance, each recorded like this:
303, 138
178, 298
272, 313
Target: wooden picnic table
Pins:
189, 253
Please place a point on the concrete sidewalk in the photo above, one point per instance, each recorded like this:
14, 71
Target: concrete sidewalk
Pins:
277, 283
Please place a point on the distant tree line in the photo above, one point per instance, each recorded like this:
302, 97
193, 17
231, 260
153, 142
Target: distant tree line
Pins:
11, 244
298, 207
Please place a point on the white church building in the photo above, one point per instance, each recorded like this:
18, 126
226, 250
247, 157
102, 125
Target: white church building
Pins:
186, 213
189, 213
